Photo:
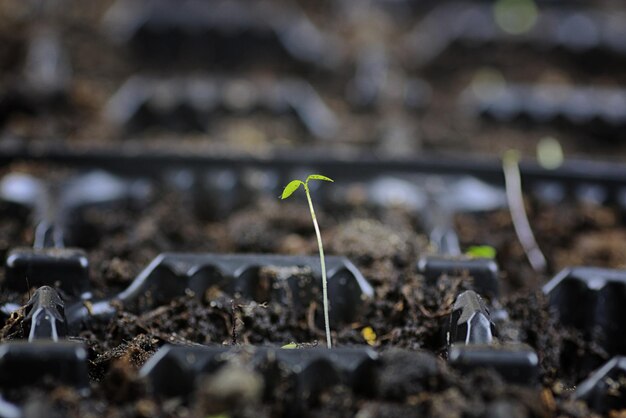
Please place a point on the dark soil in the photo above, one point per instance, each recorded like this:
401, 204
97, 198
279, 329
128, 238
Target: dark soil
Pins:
406, 313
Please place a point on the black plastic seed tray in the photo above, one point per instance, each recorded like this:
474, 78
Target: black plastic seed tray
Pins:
43, 362
368, 88
603, 390
574, 178
483, 272
516, 363
43, 83
65, 268
226, 35
599, 108
193, 103
591, 300
54, 204
239, 274
175, 370
290, 280
573, 29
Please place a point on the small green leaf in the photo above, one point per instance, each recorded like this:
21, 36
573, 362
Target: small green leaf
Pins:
290, 346
290, 188
481, 251
318, 177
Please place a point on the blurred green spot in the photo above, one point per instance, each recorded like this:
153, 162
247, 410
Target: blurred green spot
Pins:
515, 16
549, 153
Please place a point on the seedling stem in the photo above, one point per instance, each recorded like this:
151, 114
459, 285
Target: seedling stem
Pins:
288, 191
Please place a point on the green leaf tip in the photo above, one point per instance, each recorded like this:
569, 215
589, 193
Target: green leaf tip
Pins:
290, 188
319, 177
290, 346
481, 251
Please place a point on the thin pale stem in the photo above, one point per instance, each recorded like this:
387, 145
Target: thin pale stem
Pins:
515, 198
323, 265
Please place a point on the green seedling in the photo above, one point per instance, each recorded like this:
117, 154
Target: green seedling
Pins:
288, 191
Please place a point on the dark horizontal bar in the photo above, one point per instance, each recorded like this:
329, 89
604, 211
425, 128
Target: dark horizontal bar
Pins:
353, 166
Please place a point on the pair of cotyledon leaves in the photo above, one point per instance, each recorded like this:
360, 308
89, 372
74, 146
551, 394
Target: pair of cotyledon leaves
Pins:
295, 184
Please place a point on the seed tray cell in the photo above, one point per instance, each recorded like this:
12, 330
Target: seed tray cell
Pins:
603, 390
227, 33
591, 107
191, 103
289, 280
238, 274
43, 83
366, 91
173, 370
54, 204
472, 339
65, 268
592, 301
575, 30
515, 363
38, 362
483, 272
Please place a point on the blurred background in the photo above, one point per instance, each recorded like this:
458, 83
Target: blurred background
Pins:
388, 77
